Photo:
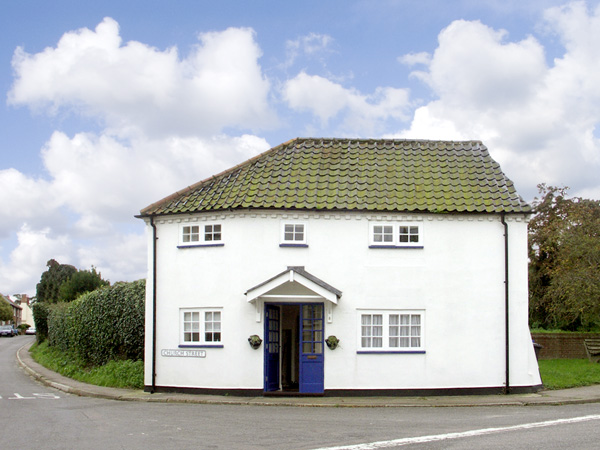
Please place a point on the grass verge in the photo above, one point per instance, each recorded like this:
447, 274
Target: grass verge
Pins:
121, 374
568, 373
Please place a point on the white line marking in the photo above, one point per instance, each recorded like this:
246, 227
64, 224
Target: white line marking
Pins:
464, 434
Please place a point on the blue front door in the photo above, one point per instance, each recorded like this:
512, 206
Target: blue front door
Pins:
272, 322
311, 348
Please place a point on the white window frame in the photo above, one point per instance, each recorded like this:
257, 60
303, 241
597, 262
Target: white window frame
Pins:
386, 330
283, 242
204, 326
393, 231
197, 234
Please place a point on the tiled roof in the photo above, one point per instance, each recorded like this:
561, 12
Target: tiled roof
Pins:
357, 175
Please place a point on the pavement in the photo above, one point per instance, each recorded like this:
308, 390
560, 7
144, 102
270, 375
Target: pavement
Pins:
587, 394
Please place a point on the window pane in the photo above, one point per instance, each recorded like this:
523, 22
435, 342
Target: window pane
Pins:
394, 342
377, 342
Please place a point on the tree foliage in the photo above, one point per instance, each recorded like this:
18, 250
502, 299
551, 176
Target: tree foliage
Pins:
79, 283
47, 290
564, 267
6, 311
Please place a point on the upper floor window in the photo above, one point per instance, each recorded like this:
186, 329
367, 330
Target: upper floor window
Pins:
391, 331
293, 234
201, 235
390, 235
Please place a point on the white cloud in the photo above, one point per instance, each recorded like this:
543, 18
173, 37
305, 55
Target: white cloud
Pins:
538, 120
27, 261
412, 59
362, 114
23, 198
219, 84
310, 45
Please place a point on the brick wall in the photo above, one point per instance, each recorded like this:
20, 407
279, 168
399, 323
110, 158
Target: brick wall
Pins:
562, 345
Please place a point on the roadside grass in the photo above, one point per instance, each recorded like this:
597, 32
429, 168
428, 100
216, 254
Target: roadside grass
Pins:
568, 373
120, 374
555, 373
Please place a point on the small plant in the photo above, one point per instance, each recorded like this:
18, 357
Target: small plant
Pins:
332, 342
255, 341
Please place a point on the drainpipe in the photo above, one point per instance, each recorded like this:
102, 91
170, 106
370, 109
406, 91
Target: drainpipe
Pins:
506, 307
154, 238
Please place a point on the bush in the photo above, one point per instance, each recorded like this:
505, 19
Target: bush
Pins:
60, 325
108, 323
41, 310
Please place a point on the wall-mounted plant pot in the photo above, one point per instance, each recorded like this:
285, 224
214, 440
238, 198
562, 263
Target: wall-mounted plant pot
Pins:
332, 342
254, 341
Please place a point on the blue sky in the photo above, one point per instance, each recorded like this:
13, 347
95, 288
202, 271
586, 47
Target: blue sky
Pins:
110, 106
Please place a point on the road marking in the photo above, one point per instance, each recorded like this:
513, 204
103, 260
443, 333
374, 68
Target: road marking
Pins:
46, 395
464, 434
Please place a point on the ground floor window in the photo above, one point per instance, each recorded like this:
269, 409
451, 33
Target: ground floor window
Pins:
391, 331
201, 327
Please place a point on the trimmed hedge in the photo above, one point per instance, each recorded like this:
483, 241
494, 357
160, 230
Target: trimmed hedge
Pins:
41, 311
102, 325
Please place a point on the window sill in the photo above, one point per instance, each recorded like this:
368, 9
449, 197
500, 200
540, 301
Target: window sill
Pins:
397, 246
386, 352
201, 245
200, 346
294, 245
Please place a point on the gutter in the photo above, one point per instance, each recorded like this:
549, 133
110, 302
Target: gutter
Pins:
506, 307
154, 238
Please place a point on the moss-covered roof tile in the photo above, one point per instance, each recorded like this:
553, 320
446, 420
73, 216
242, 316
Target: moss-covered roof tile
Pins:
357, 174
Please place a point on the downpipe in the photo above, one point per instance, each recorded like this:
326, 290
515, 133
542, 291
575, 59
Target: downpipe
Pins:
154, 239
506, 308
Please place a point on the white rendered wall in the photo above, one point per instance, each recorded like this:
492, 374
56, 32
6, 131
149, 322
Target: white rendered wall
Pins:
457, 279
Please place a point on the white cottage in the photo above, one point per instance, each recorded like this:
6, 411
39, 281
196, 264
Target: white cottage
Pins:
342, 267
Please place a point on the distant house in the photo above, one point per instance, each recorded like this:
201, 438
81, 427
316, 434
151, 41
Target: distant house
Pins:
411, 254
23, 300
17, 311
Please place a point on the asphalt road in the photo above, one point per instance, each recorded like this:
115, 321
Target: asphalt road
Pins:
36, 416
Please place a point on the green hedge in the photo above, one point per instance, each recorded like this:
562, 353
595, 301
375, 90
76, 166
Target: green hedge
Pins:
41, 311
102, 325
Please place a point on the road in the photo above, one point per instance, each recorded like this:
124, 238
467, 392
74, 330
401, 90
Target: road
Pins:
36, 416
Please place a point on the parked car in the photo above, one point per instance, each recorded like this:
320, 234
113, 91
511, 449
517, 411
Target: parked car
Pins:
30, 330
7, 330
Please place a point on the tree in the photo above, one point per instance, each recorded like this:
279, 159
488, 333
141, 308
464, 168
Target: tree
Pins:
6, 311
51, 280
79, 283
564, 268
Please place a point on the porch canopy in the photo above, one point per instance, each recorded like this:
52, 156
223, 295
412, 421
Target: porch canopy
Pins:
293, 285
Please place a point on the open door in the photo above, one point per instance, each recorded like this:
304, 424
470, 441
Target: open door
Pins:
311, 348
272, 326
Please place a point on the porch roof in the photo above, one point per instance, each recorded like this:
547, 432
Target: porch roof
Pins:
298, 275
